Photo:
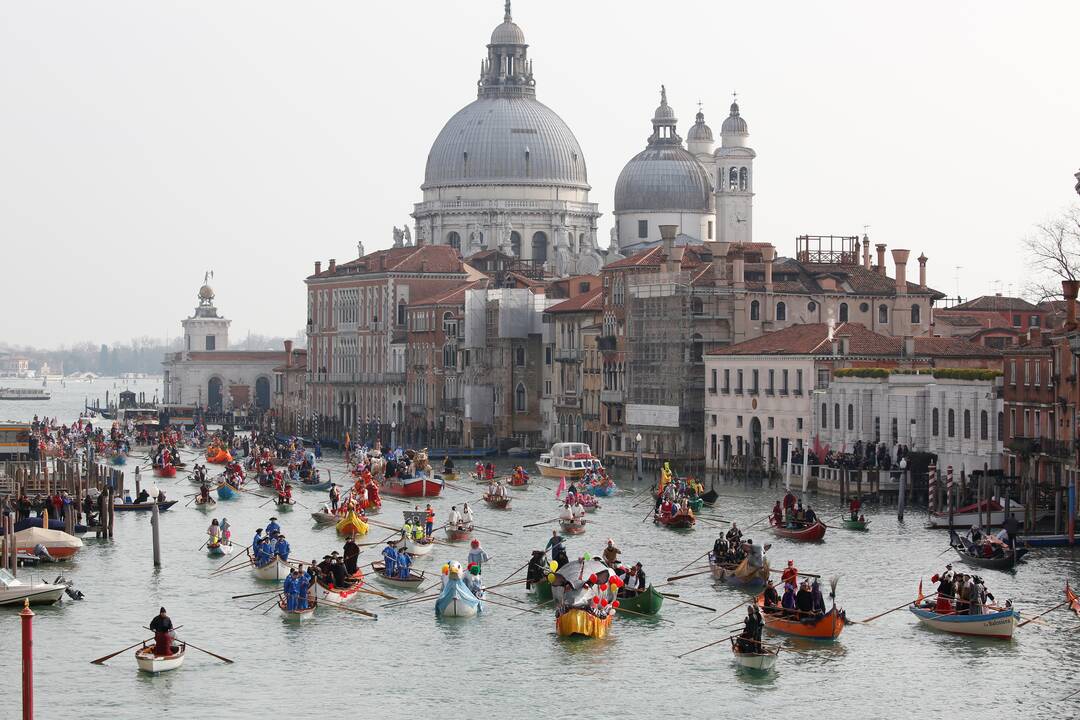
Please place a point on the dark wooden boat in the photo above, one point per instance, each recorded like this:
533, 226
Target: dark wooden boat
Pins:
970, 554
682, 521
162, 507
499, 503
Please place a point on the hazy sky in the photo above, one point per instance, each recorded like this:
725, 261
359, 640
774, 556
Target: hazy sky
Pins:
143, 142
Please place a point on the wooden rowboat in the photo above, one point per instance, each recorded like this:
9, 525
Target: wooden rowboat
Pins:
151, 663
208, 504
741, 574
225, 491
646, 602
850, 524
297, 616
128, 507
827, 627
458, 534
219, 549
414, 581
276, 569
285, 506
970, 553
573, 527
499, 503
763, 661
322, 591
325, 518
813, 533
996, 625
165, 471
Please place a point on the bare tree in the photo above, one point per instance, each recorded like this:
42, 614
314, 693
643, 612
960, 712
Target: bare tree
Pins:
1053, 252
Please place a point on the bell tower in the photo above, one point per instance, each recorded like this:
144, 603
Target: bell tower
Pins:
734, 180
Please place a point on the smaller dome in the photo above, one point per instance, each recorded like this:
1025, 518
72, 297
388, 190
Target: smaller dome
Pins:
663, 178
733, 123
665, 114
508, 34
206, 293
700, 132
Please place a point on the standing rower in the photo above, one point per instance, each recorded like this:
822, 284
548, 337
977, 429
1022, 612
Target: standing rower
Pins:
163, 635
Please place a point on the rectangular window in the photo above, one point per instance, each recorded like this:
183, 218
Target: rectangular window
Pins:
822, 378
710, 229
738, 382
547, 355
769, 423
798, 424
211, 342
771, 387
712, 381
754, 380
738, 421
783, 382
713, 421
798, 382
1035, 321
1012, 423
1037, 365
643, 228
727, 380
1012, 372
547, 387
1027, 372
1027, 423
1016, 321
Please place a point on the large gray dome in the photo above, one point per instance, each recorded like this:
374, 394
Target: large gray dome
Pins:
506, 141
663, 178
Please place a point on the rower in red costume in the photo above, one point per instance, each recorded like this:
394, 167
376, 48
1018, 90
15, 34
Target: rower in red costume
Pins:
163, 636
943, 604
854, 508
790, 574
778, 514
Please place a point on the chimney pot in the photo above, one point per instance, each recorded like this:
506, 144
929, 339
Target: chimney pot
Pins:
866, 251
900, 258
1069, 290
880, 258
333, 265
318, 267
922, 271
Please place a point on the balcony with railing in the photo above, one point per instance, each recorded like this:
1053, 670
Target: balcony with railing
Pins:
611, 396
569, 355
452, 405
1041, 446
568, 401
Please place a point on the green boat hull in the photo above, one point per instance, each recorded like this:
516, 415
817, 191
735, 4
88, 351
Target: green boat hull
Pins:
541, 592
856, 525
644, 603
696, 504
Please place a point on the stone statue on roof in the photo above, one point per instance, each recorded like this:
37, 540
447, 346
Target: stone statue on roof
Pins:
408, 235
398, 236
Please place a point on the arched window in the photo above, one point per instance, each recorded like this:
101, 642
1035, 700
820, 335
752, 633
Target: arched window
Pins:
453, 240
515, 243
539, 247
916, 315
733, 179
836, 415
695, 348
967, 424
850, 417
519, 398
843, 312
883, 314
935, 423
448, 356
781, 311
824, 416
755, 310
744, 179
519, 357
952, 423
984, 426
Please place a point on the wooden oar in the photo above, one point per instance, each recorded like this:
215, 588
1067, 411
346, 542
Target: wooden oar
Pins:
247, 595
504, 583
546, 602
781, 572
358, 611
650, 617
735, 607
673, 578
541, 523
898, 607
203, 545
515, 572
716, 642
669, 596
1035, 617
651, 513
505, 597
534, 612
272, 599
376, 593
101, 660
491, 530
219, 657
693, 561
410, 601
758, 522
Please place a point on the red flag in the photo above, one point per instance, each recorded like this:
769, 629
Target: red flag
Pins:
562, 487
918, 600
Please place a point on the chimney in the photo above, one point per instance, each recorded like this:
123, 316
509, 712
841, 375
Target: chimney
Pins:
423, 266
1034, 336
318, 267
900, 258
667, 242
880, 258
333, 265
769, 256
866, 251
922, 271
1069, 290
288, 354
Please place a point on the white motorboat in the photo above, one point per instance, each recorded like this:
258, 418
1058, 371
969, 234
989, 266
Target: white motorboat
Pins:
14, 591
568, 459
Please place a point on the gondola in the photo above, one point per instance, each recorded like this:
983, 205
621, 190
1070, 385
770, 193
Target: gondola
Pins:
352, 524
969, 553
165, 471
813, 533
127, 507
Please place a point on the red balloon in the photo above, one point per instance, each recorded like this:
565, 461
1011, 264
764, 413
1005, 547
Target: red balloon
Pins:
595, 600
592, 578
614, 603
603, 587
603, 602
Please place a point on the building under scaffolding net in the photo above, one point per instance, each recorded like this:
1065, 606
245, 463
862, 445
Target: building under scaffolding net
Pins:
665, 375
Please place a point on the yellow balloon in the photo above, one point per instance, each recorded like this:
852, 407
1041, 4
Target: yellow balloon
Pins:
551, 578
553, 565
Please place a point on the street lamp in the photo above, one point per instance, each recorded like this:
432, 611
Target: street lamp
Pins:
637, 440
393, 432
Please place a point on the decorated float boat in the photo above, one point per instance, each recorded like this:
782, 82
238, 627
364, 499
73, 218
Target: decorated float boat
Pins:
581, 607
740, 575
456, 599
352, 524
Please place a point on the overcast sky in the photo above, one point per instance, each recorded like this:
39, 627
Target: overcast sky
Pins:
144, 142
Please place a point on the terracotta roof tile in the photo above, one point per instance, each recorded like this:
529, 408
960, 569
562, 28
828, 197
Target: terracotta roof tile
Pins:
592, 300
813, 339
452, 296
412, 259
997, 303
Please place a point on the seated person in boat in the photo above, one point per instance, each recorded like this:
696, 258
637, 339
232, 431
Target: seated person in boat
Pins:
281, 548
749, 640
854, 508
339, 574
162, 626
611, 553
143, 496
809, 517
787, 602
160, 496
772, 598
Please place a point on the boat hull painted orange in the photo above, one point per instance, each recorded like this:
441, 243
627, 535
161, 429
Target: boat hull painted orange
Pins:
827, 627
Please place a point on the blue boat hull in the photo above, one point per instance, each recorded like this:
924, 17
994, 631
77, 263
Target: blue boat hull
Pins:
226, 492
606, 491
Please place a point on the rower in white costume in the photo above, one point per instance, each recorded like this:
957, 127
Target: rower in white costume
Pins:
454, 520
466, 515
579, 511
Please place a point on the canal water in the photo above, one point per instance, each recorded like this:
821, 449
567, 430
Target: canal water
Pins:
506, 664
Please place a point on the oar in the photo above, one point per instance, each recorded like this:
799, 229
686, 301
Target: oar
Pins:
685, 602
898, 607
673, 578
650, 617
716, 642
541, 523
693, 561
505, 597
490, 530
534, 612
1035, 617
358, 611
376, 593
781, 572
759, 521
651, 513
223, 659
272, 599
735, 607
101, 660
203, 545
231, 560
504, 583
264, 592
546, 602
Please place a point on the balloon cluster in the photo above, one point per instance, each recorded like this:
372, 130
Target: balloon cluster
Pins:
553, 566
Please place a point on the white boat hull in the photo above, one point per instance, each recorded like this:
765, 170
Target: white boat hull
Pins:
966, 520
756, 662
418, 549
151, 663
994, 625
457, 608
219, 550
274, 570
297, 616
42, 594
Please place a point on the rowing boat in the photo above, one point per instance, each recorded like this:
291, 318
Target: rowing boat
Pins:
458, 534
813, 533
327, 591
827, 627
997, 625
286, 506
225, 491
740, 575
763, 661
165, 471
970, 553
276, 569
129, 507
413, 582
297, 616
151, 663
207, 504
573, 527
417, 548
541, 591
352, 524
218, 549
646, 602
497, 502
850, 524
325, 518
682, 521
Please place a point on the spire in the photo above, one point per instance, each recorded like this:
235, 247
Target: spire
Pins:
507, 71
506, 14
664, 122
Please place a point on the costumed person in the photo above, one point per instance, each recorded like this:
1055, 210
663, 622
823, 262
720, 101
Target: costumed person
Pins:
257, 540
467, 515
335, 498
390, 559
281, 549
351, 553
289, 588
790, 574
447, 465
404, 562
226, 530
854, 508
611, 553
454, 518
772, 598
478, 555
538, 569
272, 528
943, 603
162, 626
755, 554
214, 531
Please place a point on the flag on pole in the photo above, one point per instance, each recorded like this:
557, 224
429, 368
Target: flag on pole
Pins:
918, 600
562, 487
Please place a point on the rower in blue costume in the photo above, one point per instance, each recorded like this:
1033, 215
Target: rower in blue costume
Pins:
272, 527
301, 592
290, 591
390, 557
257, 539
404, 561
282, 548
262, 552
